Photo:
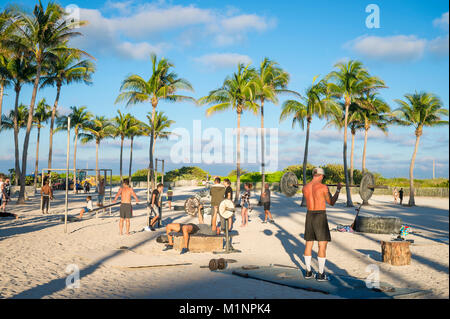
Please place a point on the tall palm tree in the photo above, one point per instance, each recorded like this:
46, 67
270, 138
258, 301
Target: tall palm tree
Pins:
20, 72
137, 128
163, 84
160, 128
18, 119
270, 80
41, 116
79, 120
419, 110
40, 34
372, 112
349, 81
5, 29
5, 81
314, 104
122, 123
66, 68
97, 130
237, 93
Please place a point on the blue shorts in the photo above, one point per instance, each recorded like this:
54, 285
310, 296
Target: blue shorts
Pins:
100, 198
85, 209
245, 205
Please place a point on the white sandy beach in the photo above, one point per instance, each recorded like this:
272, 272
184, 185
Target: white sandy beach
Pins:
35, 251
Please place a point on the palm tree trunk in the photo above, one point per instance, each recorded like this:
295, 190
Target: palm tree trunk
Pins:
238, 159
52, 125
97, 177
347, 184
352, 155
75, 190
153, 152
412, 202
131, 158
150, 166
263, 148
121, 153
36, 170
366, 131
26, 141
16, 138
2, 88
305, 158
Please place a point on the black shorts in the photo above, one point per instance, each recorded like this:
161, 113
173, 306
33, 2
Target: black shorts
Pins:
266, 205
195, 228
126, 211
316, 226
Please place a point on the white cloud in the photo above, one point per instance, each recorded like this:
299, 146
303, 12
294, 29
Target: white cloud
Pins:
439, 46
391, 48
442, 22
138, 29
223, 60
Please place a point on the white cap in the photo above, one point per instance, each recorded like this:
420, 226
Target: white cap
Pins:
318, 171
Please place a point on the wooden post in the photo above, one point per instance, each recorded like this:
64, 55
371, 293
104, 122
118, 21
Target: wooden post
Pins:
67, 175
162, 176
396, 253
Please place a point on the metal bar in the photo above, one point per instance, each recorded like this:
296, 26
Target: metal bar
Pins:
368, 186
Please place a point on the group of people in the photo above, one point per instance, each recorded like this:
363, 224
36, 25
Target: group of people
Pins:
398, 195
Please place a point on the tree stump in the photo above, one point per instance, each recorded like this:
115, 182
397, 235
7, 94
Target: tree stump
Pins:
396, 253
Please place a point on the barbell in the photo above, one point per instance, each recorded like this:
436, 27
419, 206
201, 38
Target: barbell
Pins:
289, 185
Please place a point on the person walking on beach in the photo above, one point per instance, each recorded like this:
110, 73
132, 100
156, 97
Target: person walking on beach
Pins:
2, 191
101, 192
156, 201
217, 193
265, 200
395, 193
169, 197
316, 224
245, 204
400, 195
46, 196
6, 194
126, 210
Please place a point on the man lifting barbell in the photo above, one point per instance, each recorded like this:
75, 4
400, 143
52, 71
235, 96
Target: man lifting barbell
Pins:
186, 229
316, 224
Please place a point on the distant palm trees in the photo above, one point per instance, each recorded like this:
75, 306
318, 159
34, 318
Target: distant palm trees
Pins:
348, 82
316, 103
122, 128
67, 67
237, 93
163, 84
41, 116
39, 36
419, 110
79, 120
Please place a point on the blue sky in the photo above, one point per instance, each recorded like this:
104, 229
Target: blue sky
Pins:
206, 39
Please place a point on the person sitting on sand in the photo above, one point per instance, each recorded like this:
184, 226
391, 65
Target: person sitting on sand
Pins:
185, 229
46, 196
88, 207
126, 210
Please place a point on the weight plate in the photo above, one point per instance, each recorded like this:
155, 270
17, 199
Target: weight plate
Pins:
364, 191
288, 184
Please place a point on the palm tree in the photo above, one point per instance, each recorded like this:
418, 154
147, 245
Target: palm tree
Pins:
18, 119
373, 111
5, 81
314, 104
160, 129
270, 80
238, 93
65, 69
350, 81
40, 35
20, 71
97, 130
121, 129
419, 110
163, 84
137, 128
42, 114
79, 121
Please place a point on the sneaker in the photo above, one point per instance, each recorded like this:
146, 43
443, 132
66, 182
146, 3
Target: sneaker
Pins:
321, 277
272, 221
152, 228
146, 228
309, 274
264, 222
184, 250
168, 247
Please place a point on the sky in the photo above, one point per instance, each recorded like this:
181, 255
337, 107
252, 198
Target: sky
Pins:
206, 39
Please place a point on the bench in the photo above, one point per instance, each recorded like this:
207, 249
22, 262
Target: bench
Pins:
200, 242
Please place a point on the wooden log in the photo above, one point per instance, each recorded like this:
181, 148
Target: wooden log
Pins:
396, 253
200, 244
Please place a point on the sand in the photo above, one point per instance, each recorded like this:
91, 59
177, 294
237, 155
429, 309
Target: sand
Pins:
35, 252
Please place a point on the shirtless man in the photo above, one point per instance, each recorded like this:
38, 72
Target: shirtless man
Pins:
101, 191
126, 210
46, 196
316, 224
186, 229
